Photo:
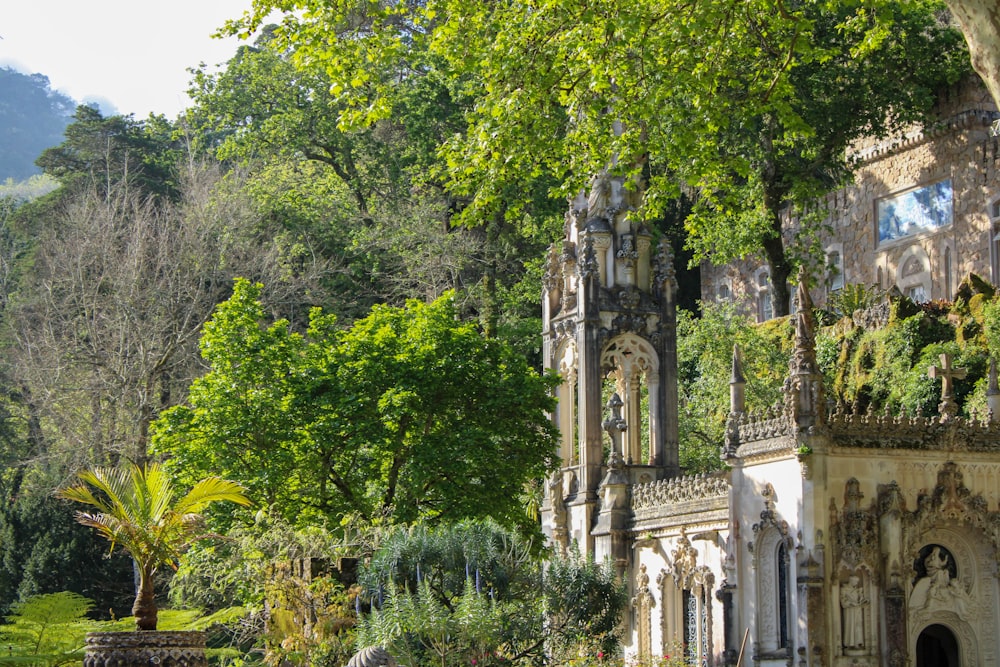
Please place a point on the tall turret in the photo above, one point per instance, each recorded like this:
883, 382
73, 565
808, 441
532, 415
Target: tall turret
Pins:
609, 327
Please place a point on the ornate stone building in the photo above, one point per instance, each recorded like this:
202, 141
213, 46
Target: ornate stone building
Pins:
922, 213
831, 540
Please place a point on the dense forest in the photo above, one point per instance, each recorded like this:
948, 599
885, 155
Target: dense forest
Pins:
322, 280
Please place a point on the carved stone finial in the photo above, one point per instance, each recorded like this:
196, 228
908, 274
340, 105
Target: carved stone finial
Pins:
666, 274
372, 656
588, 266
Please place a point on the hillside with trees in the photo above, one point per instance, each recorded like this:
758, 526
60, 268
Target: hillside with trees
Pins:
32, 118
322, 281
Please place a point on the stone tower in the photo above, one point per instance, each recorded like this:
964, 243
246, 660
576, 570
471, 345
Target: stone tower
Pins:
609, 329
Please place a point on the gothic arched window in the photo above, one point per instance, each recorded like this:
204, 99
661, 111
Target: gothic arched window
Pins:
566, 407
773, 573
634, 366
835, 269
765, 309
781, 575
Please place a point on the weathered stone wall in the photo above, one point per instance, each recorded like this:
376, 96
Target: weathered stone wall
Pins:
959, 148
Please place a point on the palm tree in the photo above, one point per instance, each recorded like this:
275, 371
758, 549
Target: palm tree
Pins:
137, 509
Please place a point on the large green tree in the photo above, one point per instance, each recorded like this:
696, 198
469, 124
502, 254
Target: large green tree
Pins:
407, 414
101, 152
376, 193
748, 104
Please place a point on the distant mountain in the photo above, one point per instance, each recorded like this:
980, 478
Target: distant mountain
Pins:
32, 118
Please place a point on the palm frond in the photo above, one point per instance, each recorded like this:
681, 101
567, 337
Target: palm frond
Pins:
208, 491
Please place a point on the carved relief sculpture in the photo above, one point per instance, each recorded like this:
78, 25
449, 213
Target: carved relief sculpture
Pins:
937, 589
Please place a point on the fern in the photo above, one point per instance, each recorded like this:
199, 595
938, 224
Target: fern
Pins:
47, 630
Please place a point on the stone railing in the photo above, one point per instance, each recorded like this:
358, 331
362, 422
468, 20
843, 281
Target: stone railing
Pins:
885, 431
679, 490
760, 425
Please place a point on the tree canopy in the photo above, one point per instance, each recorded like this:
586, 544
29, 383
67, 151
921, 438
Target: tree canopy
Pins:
749, 105
408, 414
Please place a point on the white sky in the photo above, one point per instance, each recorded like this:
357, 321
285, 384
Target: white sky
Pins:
131, 53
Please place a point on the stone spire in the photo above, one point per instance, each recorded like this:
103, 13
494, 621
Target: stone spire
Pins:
737, 406
737, 385
804, 395
803, 360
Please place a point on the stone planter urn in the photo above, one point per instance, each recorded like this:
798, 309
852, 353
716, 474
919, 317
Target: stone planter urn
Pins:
132, 649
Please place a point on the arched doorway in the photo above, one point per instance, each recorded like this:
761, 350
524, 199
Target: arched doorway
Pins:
937, 647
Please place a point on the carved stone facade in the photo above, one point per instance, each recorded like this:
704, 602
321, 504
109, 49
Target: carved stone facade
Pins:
876, 236
833, 539
165, 649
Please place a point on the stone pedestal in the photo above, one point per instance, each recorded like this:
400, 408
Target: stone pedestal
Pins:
132, 649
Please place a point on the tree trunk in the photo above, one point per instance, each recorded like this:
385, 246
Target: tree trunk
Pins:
781, 270
774, 249
144, 608
980, 23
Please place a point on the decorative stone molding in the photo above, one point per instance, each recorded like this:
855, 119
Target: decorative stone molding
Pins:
875, 316
588, 266
855, 541
163, 649
643, 602
685, 569
769, 522
664, 269
952, 503
564, 329
971, 118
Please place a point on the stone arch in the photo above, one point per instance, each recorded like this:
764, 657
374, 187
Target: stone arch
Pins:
913, 273
966, 651
566, 362
960, 588
632, 362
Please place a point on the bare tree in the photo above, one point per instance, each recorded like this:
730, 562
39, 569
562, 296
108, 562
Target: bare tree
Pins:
106, 326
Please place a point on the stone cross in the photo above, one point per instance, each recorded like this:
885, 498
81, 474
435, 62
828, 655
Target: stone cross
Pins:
948, 375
